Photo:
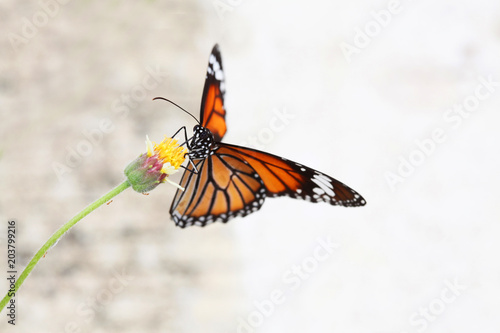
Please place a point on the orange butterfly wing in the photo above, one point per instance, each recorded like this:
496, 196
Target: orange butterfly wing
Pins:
234, 181
284, 177
224, 187
213, 113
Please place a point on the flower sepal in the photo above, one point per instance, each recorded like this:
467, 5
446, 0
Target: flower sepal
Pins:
144, 173
152, 168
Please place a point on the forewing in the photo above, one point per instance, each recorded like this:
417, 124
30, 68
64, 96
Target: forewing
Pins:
213, 112
284, 177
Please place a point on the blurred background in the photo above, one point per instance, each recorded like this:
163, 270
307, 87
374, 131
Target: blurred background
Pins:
398, 99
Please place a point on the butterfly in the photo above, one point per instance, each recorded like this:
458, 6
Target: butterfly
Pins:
224, 181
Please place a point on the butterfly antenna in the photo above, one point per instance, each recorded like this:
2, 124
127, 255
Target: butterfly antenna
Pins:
167, 100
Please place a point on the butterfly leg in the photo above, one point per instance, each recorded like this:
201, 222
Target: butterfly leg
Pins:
186, 142
194, 170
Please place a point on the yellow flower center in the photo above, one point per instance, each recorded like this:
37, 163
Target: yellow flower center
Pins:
169, 152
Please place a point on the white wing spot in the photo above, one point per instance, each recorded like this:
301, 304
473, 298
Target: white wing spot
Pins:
319, 191
218, 75
216, 66
324, 180
324, 184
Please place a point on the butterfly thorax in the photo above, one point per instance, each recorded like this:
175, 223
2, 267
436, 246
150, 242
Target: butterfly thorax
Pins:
202, 143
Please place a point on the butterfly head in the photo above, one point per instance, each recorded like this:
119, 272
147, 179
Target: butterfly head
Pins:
201, 143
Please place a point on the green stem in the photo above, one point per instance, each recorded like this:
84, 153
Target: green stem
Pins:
55, 237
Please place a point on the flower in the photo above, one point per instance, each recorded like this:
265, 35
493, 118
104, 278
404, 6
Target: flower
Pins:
153, 167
